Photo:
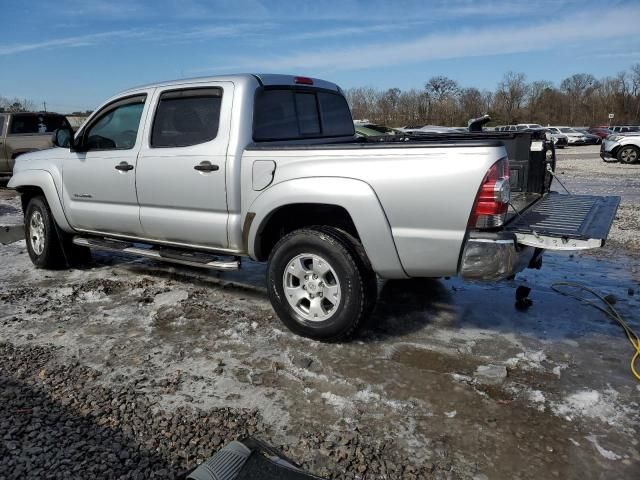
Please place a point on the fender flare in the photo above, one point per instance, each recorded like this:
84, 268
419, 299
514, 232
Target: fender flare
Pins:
44, 181
355, 196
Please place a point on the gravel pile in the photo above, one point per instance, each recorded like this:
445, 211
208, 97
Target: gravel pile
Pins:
59, 421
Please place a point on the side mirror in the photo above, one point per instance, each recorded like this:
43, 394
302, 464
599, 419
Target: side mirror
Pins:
63, 137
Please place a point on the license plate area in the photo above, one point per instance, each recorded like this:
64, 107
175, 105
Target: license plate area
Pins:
565, 222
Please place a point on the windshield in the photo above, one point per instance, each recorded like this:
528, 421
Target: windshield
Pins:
568, 130
36, 123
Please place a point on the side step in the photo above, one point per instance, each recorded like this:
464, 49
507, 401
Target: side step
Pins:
172, 255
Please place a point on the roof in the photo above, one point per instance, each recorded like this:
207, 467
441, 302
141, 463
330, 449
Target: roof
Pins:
262, 78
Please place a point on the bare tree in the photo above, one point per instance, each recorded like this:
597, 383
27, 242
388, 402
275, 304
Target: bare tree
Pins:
510, 96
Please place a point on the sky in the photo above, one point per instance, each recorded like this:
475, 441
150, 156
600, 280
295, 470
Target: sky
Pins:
73, 54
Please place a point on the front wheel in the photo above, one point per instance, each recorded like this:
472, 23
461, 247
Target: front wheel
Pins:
43, 244
49, 247
318, 285
628, 154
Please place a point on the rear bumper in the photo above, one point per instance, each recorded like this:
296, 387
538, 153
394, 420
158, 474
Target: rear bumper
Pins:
494, 257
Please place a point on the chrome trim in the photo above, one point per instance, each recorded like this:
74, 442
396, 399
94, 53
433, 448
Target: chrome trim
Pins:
556, 243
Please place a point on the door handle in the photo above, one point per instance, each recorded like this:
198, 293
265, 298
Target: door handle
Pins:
206, 166
124, 167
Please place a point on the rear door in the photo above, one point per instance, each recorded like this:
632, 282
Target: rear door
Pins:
99, 183
181, 175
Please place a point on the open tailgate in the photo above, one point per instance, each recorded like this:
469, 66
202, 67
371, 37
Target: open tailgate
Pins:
565, 222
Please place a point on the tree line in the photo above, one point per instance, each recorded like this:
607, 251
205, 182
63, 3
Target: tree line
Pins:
16, 105
579, 100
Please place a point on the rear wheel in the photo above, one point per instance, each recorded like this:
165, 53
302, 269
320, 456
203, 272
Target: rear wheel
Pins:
628, 154
319, 285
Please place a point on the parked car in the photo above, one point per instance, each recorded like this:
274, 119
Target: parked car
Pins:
204, 172
602, 132
590, 139
525, 126
624, 128
573, 136
24, 132
560, 140
623, 147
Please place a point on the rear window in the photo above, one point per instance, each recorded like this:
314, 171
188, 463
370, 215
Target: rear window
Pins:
289, 114
30, 123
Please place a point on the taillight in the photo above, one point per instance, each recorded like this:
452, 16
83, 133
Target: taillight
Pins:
492, 201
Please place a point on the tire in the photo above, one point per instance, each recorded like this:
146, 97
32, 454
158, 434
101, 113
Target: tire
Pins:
628, 154
342, 274
43, 244
48, 246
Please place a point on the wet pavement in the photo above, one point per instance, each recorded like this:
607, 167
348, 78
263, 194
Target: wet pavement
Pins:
559, 400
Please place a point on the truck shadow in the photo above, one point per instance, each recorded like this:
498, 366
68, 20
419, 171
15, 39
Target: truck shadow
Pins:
408, 306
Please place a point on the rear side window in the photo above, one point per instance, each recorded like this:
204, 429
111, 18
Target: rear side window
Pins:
36, 123
290, 114
186, 117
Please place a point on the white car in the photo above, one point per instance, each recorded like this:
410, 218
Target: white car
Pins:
622, 147
573, 136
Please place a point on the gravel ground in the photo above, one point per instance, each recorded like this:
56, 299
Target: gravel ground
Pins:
136, 369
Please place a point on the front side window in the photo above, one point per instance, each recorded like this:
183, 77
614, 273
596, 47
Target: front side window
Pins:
1, 124
117, 128
36, 123
290, 114
186, 117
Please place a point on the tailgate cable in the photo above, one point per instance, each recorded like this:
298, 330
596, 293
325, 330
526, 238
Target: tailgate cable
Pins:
520, 217
608, 310
553, 174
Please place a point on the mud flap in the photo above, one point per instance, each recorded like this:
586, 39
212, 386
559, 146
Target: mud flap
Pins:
565, 222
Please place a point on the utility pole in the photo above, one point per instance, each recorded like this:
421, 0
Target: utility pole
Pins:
44, 104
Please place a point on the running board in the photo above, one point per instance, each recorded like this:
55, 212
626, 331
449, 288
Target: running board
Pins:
182, 257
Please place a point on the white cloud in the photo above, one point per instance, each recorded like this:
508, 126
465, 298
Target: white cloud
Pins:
157, 34
69, 42
557, 34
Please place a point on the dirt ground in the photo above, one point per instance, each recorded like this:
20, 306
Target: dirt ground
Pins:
163, 364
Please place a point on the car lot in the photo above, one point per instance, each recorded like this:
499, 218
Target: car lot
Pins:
140, 366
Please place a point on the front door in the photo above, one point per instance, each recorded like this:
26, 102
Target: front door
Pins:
99, 182
181, 174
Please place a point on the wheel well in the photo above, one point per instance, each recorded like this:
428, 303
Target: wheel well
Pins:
27, 193
292, 217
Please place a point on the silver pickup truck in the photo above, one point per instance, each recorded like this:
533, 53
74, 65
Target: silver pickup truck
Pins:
206, 171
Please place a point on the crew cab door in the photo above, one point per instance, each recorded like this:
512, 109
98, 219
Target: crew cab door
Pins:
181, 171
99, 183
